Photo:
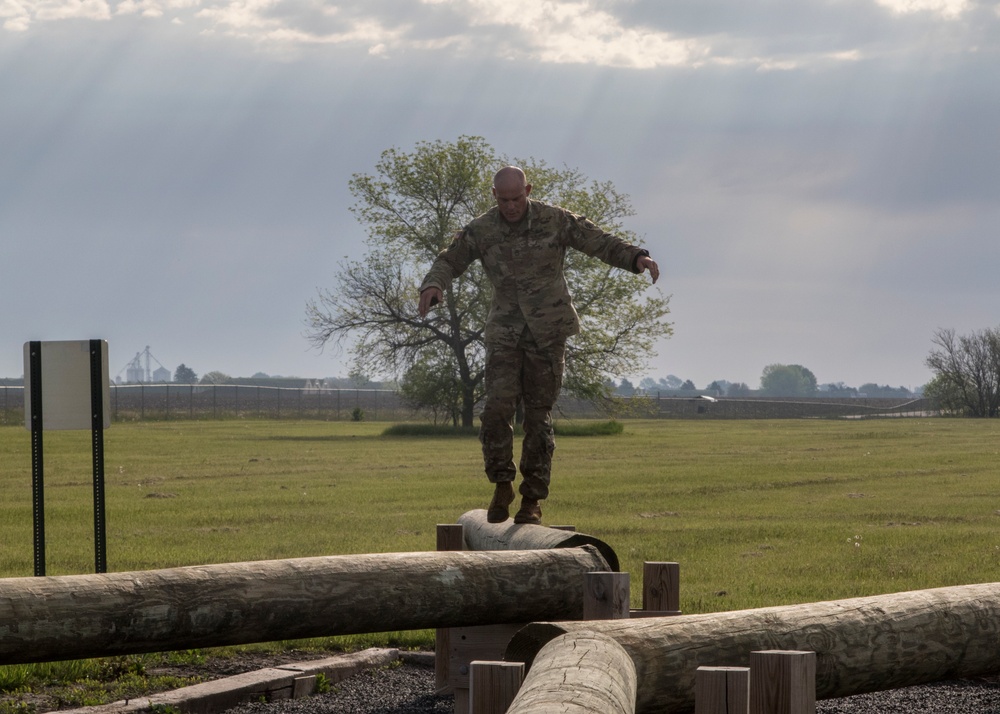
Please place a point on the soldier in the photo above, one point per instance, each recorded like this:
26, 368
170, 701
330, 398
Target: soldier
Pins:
521, 244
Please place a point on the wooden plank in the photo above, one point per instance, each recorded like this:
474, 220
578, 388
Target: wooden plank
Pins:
304, 686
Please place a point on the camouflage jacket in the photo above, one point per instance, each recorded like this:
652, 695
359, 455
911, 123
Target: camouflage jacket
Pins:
524, 263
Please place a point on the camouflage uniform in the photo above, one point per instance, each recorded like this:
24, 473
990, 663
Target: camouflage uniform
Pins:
531, 316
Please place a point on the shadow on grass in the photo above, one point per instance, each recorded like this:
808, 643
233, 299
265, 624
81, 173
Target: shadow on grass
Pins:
317, 437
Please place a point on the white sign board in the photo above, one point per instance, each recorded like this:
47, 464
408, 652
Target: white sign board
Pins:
66, 387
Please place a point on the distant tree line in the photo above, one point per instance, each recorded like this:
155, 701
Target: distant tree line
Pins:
777, 380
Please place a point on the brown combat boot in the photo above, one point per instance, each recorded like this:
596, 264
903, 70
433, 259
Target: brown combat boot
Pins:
530, 512
503, 496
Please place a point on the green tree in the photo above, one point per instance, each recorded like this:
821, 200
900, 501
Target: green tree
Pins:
216, 378
945, 396
967, 371
411, 207
872, 389
433, 387
185, 375
787, 380
738, 389
626, 388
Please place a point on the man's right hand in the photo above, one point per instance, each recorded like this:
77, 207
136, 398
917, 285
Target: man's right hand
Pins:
429, 297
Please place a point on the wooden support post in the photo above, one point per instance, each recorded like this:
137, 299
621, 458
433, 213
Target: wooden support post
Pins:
661, 586
660, 590
606, 596
782, 682
493, 686
450, 536
722, 690
467, 645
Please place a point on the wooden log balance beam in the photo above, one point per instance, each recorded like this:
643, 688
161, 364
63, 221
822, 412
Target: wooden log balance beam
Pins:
481, 535
861, 644
77, 616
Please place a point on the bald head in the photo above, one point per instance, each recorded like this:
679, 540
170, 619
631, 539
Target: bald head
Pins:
511, 189
509, 177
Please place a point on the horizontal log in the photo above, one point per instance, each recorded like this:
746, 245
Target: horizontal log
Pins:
481, 535
861, 644
74, 616
579, 673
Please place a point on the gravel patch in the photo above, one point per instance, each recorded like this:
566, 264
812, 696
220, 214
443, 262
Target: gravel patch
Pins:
402, 689
409, 689
965, 696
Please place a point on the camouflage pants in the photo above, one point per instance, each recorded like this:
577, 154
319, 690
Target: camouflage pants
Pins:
533, 376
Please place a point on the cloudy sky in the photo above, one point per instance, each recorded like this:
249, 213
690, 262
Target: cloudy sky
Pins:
819, 180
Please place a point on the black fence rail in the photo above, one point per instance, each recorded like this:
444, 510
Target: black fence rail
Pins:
160, 402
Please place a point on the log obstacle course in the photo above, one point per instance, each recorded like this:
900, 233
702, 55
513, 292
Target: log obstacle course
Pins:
856, 646
606, 595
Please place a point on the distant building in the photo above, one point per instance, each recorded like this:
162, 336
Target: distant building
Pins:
161, 374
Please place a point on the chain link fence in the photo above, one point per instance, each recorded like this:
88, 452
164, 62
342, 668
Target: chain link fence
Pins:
162, 402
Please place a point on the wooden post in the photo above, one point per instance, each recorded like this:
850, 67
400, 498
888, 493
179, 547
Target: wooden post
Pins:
606, 596
493, 686
782, 682
450, 536
580, 673
661, 586
108, 614
722, 690
906, 639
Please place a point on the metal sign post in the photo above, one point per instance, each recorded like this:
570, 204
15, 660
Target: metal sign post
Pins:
37, 462
76, 395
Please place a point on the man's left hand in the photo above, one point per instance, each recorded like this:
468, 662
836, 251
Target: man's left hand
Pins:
644, 262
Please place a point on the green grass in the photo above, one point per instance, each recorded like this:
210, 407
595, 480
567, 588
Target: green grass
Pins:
757, 513
79, 683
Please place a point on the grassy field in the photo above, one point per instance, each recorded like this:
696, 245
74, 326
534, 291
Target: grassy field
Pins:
757, 513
